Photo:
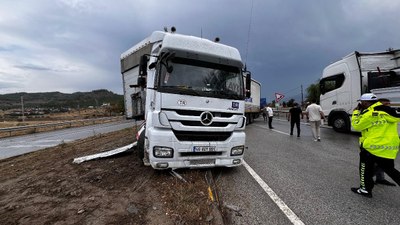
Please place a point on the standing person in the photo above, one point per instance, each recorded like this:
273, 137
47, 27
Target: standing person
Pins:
270, 116
314, 115
379, 141
264, 113
379, 174
294, 118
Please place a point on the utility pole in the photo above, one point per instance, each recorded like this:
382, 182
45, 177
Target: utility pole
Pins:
302, 100
22, 108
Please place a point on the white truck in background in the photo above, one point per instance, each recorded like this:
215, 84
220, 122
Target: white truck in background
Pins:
252, 104
191, 93
343, 82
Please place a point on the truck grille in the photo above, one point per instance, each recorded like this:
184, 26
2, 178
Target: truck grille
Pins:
197, 113
188, 125
197, 123
201, 136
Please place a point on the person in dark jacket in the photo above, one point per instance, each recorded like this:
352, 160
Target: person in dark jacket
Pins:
294, 118
264, 113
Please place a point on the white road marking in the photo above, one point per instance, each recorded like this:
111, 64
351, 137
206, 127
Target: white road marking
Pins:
281, 132
264, 127
284, 208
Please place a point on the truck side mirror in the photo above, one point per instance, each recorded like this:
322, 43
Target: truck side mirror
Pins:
152, 65
322, 88
141, 81
143, 65
248, 85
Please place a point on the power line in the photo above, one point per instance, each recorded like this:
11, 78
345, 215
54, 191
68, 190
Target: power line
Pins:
286, 92
248, 32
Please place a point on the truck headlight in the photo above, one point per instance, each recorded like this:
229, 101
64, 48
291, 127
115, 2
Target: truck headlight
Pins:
237, 150
163, 152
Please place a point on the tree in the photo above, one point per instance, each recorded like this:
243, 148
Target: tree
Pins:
313, 92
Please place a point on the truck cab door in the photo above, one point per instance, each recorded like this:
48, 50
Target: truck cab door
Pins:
336, 101
331, 95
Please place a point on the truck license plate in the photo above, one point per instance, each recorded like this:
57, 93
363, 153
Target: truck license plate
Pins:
204, 148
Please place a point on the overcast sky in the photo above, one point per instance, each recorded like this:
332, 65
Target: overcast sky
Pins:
75, 45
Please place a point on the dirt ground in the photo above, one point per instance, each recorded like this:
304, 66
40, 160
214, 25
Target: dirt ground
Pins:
45, 187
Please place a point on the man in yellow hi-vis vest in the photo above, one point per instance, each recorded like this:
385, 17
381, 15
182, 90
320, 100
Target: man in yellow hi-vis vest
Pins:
379, 141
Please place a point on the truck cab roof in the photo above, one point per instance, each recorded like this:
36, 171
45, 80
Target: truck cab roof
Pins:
190, 46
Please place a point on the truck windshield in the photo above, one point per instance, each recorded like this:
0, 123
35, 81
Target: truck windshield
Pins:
193, 77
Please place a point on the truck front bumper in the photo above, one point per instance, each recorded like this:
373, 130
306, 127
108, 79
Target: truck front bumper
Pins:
185, 154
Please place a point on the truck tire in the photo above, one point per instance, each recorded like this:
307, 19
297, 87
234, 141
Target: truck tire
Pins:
340, 123
140, 146
247, 119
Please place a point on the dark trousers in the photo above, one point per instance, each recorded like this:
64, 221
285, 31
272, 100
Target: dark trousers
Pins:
292, 123
270, 121
367, 165
379, 174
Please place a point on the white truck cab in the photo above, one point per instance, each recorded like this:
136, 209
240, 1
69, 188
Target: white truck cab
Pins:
190, 91
343, 82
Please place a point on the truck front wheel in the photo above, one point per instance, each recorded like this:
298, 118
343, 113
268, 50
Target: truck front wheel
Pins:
340, 124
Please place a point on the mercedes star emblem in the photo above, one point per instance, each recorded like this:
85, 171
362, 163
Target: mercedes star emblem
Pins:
206, 118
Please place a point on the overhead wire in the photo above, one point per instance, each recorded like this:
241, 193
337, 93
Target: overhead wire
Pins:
248, 32
296, 88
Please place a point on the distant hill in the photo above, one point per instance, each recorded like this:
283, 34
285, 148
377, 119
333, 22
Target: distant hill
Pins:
60, 100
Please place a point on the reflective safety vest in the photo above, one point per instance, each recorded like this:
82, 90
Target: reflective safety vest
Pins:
378, 126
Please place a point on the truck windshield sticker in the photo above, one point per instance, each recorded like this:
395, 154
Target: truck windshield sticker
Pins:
235, 105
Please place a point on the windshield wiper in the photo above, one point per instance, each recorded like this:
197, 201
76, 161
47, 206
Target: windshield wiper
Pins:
189, 91
182, 90
228, 93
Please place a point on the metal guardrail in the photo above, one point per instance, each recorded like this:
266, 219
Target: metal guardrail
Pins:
35, 128
283, 113
13, 131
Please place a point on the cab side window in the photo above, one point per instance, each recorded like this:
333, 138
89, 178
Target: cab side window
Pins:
331, 83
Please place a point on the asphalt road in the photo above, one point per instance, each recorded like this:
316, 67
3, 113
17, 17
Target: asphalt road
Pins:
312, 179
19, 145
